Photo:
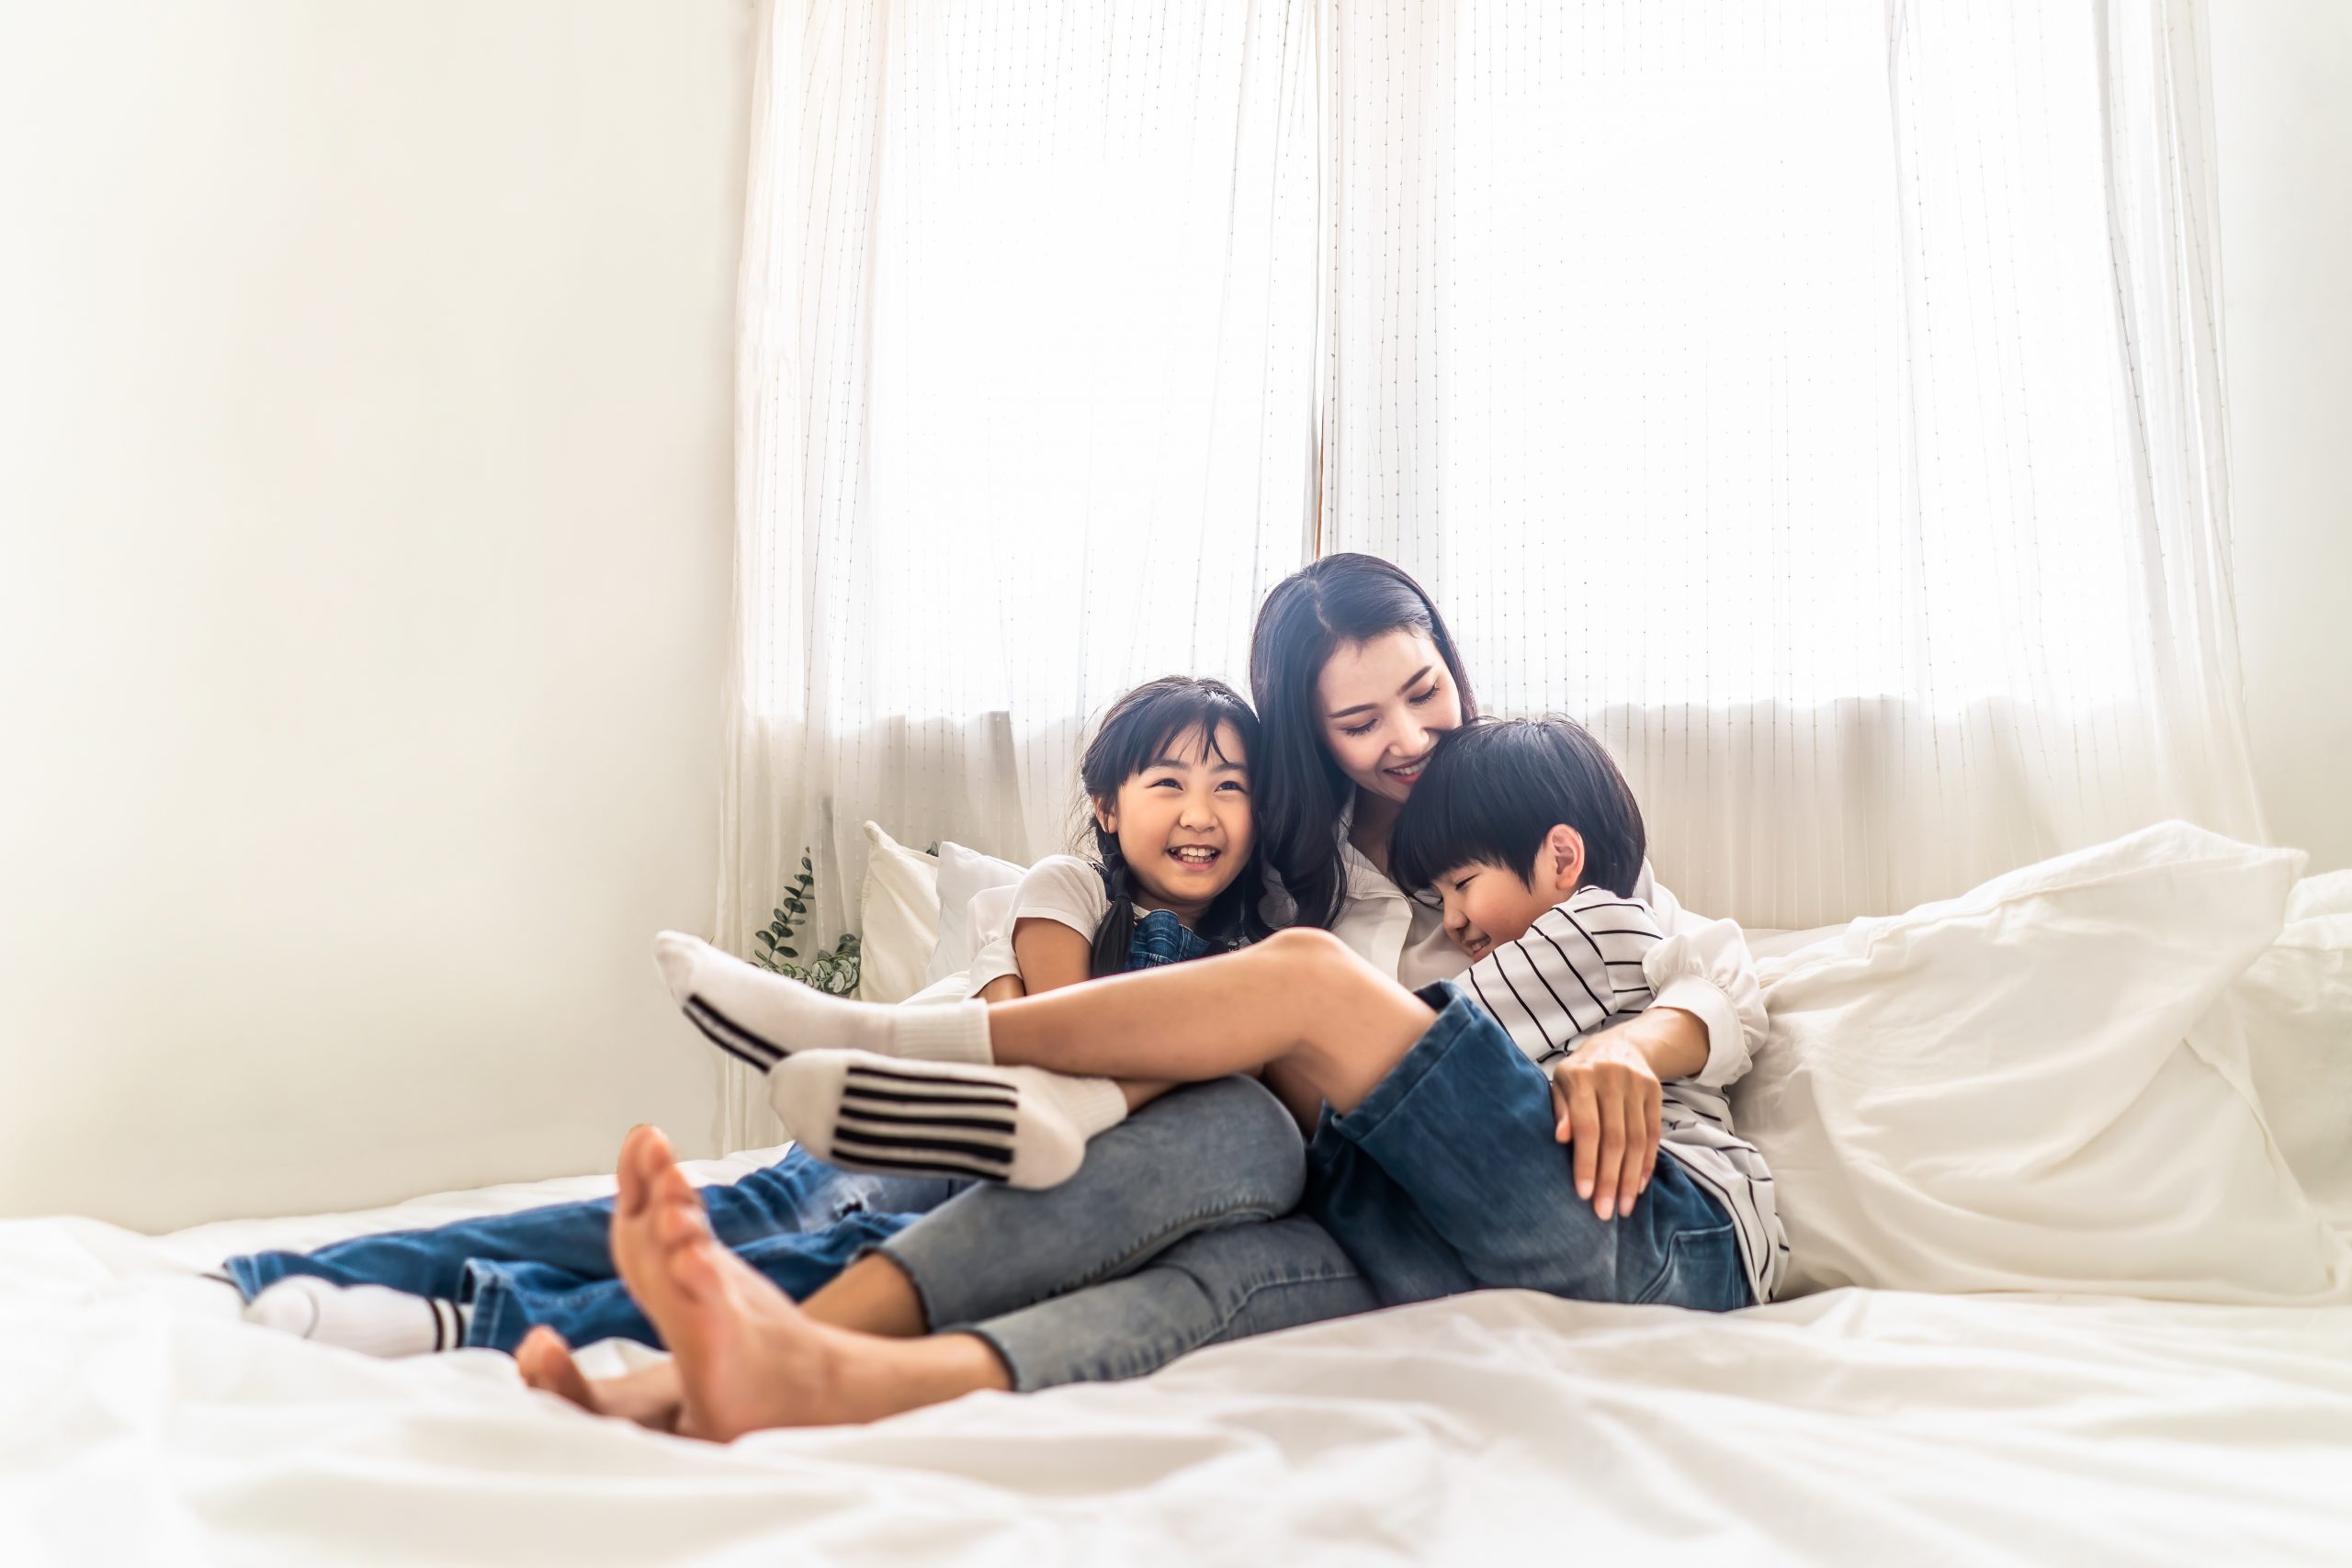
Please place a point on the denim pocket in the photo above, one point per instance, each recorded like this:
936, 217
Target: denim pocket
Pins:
1703, 1271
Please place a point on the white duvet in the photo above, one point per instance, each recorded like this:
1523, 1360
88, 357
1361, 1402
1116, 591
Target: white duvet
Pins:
140, 1423
1994, 1096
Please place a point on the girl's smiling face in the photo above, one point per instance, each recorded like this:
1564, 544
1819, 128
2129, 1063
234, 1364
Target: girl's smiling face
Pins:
1383, 703
1183, 821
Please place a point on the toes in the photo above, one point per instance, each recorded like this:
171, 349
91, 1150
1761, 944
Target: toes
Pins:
547, 1365
695, 1268
677, 1225
643, 1154
654, 1157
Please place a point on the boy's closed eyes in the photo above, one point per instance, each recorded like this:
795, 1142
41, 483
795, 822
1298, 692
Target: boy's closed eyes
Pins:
1487, 904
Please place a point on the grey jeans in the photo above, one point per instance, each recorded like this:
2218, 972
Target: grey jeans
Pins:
1172, 1236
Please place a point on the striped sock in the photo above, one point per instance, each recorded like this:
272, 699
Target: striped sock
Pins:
375, 1319
1019, 1125
759, 1018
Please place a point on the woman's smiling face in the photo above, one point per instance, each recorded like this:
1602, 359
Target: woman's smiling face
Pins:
1383, 703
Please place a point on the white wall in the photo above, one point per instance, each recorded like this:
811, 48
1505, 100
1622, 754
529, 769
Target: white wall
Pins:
365, 469
2282, 110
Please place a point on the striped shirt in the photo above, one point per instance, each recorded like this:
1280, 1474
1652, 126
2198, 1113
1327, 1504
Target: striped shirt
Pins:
1579, 970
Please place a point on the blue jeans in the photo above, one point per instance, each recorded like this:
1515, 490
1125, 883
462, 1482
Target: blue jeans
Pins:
1211, 1287
1208, 1155
799, 1222
1446, 1179
1171, 1236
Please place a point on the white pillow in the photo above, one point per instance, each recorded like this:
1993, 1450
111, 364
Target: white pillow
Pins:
1998, 1092
963, 875
897, 918
2290, 1013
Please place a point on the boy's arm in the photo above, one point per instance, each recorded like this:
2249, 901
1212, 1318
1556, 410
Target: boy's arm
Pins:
1609, 1104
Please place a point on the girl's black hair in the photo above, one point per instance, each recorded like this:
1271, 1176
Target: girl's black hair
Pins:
1495, 789
1141, 727
1339, 602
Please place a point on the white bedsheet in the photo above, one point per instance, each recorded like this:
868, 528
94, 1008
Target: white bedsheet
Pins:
141, 1423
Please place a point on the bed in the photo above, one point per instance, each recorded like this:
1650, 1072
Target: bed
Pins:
1937, 1411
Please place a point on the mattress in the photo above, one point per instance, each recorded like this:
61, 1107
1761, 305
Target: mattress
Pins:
141, 1423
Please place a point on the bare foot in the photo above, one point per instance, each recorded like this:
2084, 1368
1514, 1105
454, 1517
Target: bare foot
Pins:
648, 1396
747, 1358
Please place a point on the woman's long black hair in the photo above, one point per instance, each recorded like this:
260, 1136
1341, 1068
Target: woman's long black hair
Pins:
1141, 727
1339, 602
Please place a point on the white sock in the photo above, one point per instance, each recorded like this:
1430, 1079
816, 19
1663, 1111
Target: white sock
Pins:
1023, 1126
759, 1018
371, 1318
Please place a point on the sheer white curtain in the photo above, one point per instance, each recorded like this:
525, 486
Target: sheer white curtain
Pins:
1820, 399
1026, 409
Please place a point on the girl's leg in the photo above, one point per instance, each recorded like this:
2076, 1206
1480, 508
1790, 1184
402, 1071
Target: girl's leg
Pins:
1300, 998
797, 1194
506, 1301
1300, 1003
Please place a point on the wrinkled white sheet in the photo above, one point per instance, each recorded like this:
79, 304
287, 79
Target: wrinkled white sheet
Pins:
141, 1423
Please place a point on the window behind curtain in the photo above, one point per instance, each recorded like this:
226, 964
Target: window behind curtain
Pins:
1774, 388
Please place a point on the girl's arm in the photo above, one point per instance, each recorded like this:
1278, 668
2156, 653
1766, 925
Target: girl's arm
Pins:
1050, 944
1051, 956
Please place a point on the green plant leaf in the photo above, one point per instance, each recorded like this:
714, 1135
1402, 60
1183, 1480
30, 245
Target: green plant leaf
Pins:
764, 939
789, 952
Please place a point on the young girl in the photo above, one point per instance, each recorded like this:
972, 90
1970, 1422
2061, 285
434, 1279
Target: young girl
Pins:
1176, 878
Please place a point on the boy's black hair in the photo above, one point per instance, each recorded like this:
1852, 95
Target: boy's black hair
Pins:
1494, 787
1148, 724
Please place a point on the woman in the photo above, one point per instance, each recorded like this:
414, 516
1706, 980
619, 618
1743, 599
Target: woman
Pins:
1354, 676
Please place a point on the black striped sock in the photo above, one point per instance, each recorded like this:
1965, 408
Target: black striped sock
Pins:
1017, 1125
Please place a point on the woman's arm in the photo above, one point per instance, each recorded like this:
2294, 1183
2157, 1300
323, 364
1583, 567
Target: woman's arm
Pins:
1703, 969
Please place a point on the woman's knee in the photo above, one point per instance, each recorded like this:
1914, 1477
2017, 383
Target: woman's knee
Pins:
1236, 1137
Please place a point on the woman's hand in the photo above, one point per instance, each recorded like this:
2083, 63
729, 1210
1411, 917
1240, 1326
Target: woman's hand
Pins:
1610, 1099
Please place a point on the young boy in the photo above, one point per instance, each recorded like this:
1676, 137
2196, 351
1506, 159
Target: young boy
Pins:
1435, 1159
